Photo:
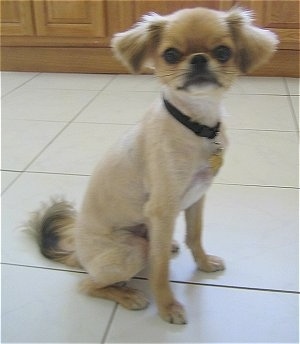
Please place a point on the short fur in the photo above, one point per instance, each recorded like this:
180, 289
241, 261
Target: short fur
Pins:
160, 167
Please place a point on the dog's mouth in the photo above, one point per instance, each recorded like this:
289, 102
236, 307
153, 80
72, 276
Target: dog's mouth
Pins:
201, 80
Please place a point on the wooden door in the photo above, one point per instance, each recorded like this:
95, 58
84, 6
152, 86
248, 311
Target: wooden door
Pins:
16, 18
77, 18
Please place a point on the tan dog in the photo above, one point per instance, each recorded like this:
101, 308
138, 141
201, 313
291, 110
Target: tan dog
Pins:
165, 164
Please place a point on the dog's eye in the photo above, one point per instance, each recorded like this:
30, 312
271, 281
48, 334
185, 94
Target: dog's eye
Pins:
172, 55
222, 53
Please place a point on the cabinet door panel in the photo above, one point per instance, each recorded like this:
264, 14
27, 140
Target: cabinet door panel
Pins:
169, 6
16, 18
120, 15
282, 14
283, 18
70, 18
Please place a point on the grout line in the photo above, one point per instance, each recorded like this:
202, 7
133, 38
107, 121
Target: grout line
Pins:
70, 122
10, 170
102, 123
293, 111
86, 105
91, 100
56, 173
257, 94
35, 120
171, 281
228, 286
46, 146
110, 81
110, 321
64, 89
9, 185
262, 130
43, 268
286, 86
12, 182
24, 83
59, 133
258, 186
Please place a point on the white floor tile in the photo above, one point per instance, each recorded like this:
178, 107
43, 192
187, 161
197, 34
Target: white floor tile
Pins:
215, 315
117, 107
261, 158
25, 196
12, 80
70, 81
261, 112
293, 86
79, 148
138, 83
44, 306
259, 85
295, 104
7, 178
45, 105
23, 140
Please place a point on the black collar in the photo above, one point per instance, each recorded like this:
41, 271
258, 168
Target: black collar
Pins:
197, 128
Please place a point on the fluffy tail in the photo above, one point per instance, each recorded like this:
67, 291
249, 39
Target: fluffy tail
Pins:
54, 228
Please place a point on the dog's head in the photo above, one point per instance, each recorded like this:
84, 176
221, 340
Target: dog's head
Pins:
195, 50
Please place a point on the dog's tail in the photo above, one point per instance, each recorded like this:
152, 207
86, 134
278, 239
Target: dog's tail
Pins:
54, 227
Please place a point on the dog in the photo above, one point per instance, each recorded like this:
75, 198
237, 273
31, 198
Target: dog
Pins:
164, 165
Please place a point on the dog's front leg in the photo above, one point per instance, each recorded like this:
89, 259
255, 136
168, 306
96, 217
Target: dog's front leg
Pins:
194, 223
161, 215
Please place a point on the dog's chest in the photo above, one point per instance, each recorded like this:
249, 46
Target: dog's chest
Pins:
197, 187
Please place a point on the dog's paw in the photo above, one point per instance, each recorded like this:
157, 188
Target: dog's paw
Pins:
173, 313
211, 264
133, 299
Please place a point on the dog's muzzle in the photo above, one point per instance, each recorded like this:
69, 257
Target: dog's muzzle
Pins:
199, 73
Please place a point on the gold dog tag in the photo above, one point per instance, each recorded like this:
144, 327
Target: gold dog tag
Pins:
216, 161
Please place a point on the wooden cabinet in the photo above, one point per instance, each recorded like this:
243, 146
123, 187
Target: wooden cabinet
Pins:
65, 36
74, 35
284, 20
166, 7
282, 17
16, 18
53, 22
66, 18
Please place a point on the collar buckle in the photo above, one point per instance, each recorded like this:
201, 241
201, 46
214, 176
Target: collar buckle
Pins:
205, 131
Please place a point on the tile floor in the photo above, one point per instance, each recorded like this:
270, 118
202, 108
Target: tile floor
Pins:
55, 127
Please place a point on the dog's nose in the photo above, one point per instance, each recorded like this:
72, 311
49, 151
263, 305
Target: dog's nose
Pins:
199, 62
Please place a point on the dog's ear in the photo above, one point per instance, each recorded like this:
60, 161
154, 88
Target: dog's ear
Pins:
136, 47
254, 45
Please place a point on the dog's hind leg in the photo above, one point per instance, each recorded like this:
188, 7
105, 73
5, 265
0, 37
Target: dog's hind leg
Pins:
127, 297
118, 262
